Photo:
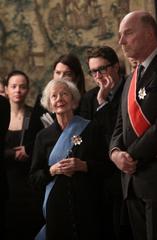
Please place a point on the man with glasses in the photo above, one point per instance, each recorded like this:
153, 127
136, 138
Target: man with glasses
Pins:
101, 104
104, 67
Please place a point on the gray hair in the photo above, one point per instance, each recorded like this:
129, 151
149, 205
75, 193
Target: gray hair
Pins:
45, 100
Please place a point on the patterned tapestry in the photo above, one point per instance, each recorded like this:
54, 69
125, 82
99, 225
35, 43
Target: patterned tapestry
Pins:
34, 32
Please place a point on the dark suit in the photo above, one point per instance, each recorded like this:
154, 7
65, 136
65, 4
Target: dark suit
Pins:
4, 123
106, 118
106, 115
35, 122
142, 184
89, 103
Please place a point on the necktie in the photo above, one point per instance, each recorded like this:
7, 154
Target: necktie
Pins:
139, 71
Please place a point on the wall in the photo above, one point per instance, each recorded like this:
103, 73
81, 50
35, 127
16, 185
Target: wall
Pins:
34, 32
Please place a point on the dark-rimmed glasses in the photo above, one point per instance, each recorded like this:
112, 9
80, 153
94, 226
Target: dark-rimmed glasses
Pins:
101, 70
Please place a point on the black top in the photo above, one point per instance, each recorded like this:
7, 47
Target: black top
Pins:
4, 123
23, 206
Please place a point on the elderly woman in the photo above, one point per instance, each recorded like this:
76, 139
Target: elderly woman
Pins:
70, 161
67, 66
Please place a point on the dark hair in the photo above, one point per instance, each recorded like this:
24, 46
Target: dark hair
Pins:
74, 64
2, 81
15, 73
105, 52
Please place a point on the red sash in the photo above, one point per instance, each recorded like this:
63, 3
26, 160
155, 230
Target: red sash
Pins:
138, 121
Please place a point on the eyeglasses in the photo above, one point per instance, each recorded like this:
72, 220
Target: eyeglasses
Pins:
101, 70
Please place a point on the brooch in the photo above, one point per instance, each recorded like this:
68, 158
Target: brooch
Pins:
142, 93
76, 140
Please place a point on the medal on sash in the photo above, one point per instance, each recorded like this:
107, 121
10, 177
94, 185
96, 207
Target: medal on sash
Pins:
137, 118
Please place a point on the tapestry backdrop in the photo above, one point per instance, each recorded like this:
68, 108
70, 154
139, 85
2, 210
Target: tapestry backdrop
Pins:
34, 32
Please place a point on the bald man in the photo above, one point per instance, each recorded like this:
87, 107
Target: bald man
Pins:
133, 146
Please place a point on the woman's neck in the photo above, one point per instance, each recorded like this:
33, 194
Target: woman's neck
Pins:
64, 119
17, 116
17, 108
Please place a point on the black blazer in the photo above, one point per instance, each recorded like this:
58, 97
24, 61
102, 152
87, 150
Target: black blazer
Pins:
4, 124
105, 116
144, 148
89, 103
5, 116
4, 121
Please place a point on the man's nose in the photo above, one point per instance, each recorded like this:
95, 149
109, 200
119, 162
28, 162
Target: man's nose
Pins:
61, 75
98, 74
121, 40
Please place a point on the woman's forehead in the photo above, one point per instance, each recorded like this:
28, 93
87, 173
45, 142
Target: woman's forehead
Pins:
60, 87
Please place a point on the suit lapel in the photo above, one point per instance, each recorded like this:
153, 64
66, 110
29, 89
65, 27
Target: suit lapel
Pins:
148, 77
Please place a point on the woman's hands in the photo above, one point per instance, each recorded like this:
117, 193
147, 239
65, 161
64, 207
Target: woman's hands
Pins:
68, 167
20, 153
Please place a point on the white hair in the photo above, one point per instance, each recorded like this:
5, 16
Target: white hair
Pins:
45, 100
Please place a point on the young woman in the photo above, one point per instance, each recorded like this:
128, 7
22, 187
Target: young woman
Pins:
68, 66
23, 208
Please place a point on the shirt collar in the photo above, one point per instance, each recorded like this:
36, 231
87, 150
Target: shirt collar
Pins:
149, 59
115, 89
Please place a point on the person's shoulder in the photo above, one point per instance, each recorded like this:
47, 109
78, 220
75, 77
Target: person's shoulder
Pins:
48, 131
120, 84
4, 103
28, 110
92, 92
28, 107
4, 100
